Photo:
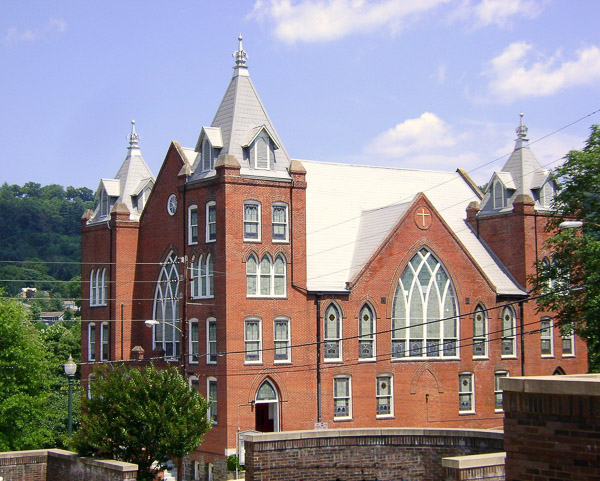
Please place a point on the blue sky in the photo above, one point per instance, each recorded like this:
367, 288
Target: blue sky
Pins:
420, 84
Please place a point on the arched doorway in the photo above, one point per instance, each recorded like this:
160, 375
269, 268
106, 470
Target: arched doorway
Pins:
266, 408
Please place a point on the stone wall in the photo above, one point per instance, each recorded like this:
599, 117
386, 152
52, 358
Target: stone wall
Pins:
361, 454
59, 465
477, 467
552, 428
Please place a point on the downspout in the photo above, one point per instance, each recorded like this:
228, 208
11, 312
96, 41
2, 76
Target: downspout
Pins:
318, 344
112, 285
522, 339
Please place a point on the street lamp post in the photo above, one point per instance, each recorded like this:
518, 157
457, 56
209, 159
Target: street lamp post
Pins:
70, 369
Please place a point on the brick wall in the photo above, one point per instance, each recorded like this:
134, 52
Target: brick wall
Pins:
361, 454
59, 465
552, 427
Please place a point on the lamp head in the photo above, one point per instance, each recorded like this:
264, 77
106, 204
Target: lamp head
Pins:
70, 367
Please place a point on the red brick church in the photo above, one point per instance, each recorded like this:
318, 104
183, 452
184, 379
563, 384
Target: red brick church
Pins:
297, 294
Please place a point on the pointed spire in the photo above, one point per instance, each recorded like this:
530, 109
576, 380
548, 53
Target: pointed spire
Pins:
240, 56
521, 131
133, 137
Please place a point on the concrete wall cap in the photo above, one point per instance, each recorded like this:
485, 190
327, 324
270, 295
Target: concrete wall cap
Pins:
474, 461
571, 385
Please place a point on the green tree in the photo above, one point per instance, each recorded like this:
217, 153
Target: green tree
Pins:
24, 381
570, 284
141, 416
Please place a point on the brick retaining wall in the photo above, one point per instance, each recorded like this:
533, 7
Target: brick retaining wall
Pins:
60, 465
361, 454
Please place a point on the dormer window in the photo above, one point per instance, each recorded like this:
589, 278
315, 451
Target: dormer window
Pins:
104, 204
207, 156
547, 194
499, 195
261, 152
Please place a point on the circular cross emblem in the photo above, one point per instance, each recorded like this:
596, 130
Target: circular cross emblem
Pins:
423, 218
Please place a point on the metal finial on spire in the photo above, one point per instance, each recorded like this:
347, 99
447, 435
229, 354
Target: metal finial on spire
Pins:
133, 137
240, 55
521, 130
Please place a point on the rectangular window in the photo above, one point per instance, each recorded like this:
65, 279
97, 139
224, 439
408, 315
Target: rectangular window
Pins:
568, 344
211, 341
497, 390
385, 396
211, 222
252, 221
195, 278
194, 341
104, 341
252, 339
93, 288
466, 393
280, 222
212, 399
282, 340
92, 342
193, 225
546, 336
342, 397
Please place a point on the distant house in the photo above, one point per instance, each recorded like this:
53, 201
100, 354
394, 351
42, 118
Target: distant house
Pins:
50, 318
296, 294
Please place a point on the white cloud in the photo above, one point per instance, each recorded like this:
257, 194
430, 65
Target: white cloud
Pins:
440, 74
413, 136
498, 12
515, 74
15, 36
325, 20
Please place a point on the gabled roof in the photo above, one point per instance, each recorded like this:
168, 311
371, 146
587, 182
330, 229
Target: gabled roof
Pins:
133, 175
213, 134
241, 116
525, 172
343, 202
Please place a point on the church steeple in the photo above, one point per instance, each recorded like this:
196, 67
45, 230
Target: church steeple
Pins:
240, 56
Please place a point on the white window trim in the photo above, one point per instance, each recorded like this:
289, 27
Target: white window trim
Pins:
498, 375
390, 378
550, 337
104, 341
254, 151
191, 360
93, 287
191, 241
287, 341
471, 393
208, 341
348, 417
338, 340
259, 340
258, 276
258, 222
210, 204
286, 237
92, 350
372, 338
207, 146
512, 337
191, 380
572, 337
209, 413
484, 338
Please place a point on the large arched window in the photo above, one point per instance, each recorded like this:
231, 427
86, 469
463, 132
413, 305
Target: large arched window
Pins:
166, 308
202, 284
424, 312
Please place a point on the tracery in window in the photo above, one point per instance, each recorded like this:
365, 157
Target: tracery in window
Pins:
166, 308
267, 279
202, 277
366, 333
425, 311
480, 332
508, 332
333, 333
252, 221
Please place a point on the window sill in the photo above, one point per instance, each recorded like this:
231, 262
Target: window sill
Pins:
338, 420
466, 413
193, 243
512, 356
211, 363
568, 356
498, 411
421, 359
252, 363
367, 359
547, 356
481, 358
211, 241
253, 241
333, 360
280, 241
384, 416
282, 362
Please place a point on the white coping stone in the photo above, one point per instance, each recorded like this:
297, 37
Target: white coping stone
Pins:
573, 385
474, 461
334, 433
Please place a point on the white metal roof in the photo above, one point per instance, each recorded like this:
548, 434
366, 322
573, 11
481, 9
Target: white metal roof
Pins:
340, 197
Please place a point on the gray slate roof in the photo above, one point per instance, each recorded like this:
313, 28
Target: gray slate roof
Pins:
350, 209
